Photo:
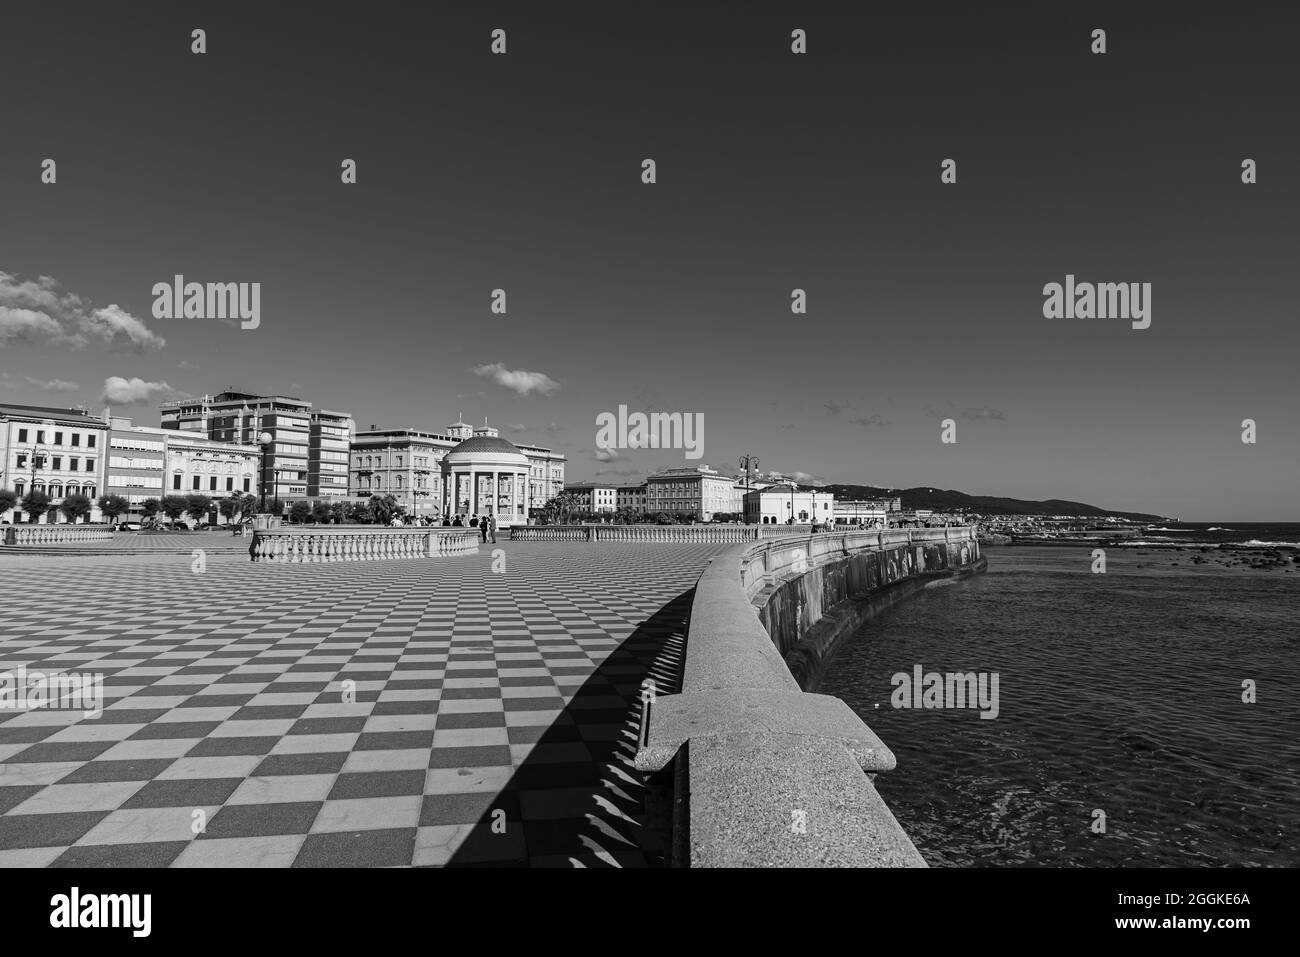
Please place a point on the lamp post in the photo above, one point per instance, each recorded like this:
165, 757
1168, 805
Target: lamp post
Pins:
37, 451
265, 439
747, 462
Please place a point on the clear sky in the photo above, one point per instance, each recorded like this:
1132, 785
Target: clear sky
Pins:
775, 171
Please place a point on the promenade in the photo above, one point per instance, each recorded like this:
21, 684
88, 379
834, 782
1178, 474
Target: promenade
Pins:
493, 719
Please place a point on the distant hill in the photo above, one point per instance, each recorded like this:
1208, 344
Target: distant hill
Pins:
944, 500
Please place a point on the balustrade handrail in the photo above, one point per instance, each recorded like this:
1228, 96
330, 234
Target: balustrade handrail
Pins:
53, 534
338, 543
759, 746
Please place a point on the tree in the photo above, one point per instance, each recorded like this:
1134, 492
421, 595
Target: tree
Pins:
77, 506
228, 507
35, 504
150, 507
320, 513
197, 506
339, 512
383, 507
112, 506
173, 506
299, 511
247, 506
7, 499
361, 513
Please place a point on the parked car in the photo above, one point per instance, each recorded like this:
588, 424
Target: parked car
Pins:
129, 527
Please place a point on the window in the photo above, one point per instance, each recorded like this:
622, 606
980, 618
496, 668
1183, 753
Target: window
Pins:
90, 441
245, 485
40, 435
230, 484
76, 439
22, 462
90, 465
58, 438
38, 461
18, 489
212, 484
58, 463
22, 435
176, 482
72, 464
196, 483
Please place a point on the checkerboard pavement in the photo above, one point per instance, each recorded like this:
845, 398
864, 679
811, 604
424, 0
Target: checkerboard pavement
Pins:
493, 719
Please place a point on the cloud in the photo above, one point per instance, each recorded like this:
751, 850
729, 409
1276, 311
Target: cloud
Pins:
866, 421
133, 391
517, 427
788, 425
518, 380
39, 312
983, 413
186, 364
833, 407
53, 385
624, 473
606, 455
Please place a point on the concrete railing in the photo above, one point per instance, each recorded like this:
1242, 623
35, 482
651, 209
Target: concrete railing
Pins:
774, 775
54, 534
359, 543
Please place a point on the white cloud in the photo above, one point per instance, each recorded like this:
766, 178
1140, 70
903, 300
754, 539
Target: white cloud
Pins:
40, 312
132, 391
518, 380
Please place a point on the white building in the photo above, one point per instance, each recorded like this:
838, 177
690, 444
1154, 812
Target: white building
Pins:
778, 505
59, 452
699, 491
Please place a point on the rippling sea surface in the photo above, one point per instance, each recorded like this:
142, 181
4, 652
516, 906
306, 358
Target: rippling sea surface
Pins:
1118, 691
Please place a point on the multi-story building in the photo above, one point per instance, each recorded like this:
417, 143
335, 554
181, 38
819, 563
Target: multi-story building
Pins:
409, 464
305, 448
870, 513
404, 463
147, 463
778, 505
699, 491
137, 464
59, 452
630, 497
594, 496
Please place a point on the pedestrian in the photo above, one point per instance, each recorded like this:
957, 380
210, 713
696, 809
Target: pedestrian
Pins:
492, 525
446, 522
483, 529
473, 522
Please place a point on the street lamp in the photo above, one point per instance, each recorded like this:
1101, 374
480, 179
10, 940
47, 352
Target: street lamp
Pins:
265, 440
747, 462
41, 453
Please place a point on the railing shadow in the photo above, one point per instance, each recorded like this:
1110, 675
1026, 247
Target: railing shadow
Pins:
577, 800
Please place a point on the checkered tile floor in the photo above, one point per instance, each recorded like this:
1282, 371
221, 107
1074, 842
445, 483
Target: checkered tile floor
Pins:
493, 722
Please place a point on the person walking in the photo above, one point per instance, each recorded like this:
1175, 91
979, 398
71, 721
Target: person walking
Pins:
482, 529
492, 526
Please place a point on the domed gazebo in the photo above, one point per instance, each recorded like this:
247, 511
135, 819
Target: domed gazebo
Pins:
486, 475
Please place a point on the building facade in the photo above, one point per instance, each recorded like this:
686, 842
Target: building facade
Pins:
873, 514
700, 492
630, 497
784, 506
594, 496
309, 448
59, 452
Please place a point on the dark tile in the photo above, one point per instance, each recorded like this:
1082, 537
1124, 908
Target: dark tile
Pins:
46, 830
262, 820
330, 762
555, 703
131, 715
216, 700
14, 795
429, 706
481, 756
468, 808
394, 847
29, 734
268, 712
328, 725
137, 769
184, 792
166, 730
393, 740
66, 751
228, 747
471, 719
377, 784
147, 854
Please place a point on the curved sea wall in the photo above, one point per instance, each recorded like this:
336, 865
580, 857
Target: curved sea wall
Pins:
768, 774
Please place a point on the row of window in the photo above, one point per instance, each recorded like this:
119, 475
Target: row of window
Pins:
58, 437
196, 483
55, 489
39, 462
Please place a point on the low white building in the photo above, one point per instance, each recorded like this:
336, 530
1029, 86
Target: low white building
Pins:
777, 505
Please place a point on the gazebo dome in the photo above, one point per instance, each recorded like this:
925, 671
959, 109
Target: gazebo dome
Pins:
490, 444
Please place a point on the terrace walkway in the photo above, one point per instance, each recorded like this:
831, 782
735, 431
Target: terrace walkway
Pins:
494, 719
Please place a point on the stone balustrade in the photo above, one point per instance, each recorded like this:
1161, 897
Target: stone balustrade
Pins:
55, 534
774, 775
359, 543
